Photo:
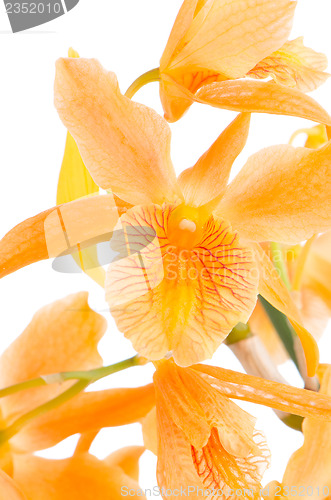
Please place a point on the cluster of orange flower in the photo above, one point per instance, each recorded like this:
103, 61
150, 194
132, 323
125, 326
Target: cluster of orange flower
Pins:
194, 261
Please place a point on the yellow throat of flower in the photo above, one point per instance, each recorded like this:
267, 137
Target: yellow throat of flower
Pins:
186, 226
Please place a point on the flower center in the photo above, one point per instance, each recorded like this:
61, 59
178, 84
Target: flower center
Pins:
186, 226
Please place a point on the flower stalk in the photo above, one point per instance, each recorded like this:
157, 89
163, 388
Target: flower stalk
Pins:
84, 379
150, 76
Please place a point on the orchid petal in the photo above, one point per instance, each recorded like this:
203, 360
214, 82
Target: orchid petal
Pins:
257, 390
282, 194
209, 176
294, 65
124, 144
58, 230
261, 97
62, 336
89, 411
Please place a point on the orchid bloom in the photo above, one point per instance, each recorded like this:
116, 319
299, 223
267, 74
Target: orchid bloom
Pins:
219, 51
63, 336
308, 472
204, 440
196, 280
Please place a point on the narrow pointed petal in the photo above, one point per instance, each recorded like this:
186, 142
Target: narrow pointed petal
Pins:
282, 194
124, 144
232, 37
257, 390
62, 336
293, 65
75, 182
57, 231
310, 465
274, 290
81, 477
262, 97
209, 176
89, 411
9, 490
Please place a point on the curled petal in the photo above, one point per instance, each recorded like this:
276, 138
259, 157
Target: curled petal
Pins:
282, 194
58, 231
293, 65
261, 97
268, 393
209, 176
124, 144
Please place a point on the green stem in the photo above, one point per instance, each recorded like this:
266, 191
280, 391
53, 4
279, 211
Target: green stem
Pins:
150, 76
59, 378
283, 328
278, 261
85, 378
238, 333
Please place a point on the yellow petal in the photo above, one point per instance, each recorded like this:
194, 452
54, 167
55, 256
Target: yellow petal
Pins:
76, 182
262, 97
58, 230
232, 37
62, 336
82, 477
257, 390
316, 136
310, 466
89, 411
125, 145
9, 490
281, 194
209, 176
274, 290
294, 65
183, 299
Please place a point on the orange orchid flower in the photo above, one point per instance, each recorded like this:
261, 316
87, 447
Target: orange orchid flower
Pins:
62, 336
218, 49
204, 441
308, 472
187, 289
81, 477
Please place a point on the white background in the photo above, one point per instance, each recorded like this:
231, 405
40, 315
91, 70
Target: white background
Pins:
128, 37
